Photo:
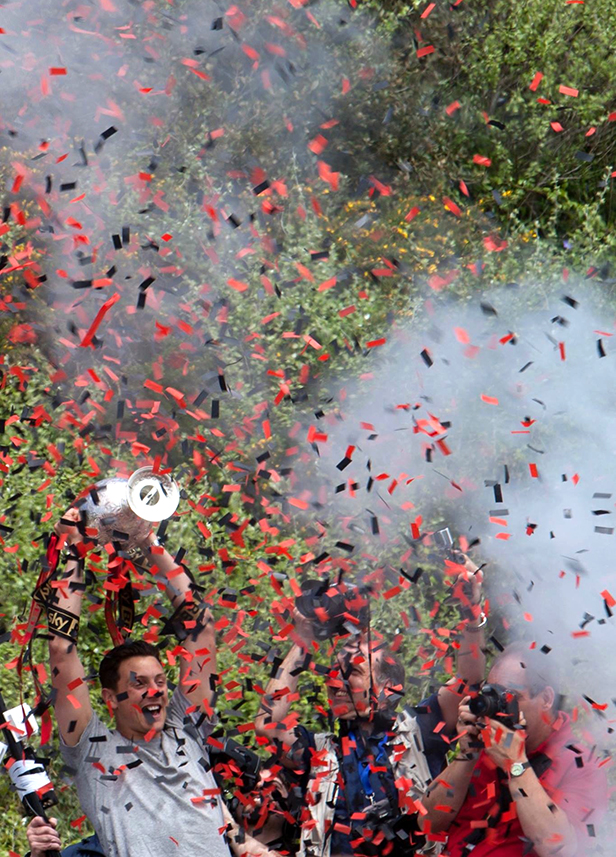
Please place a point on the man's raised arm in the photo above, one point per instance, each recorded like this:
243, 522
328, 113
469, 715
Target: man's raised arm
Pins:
279, 693
72, 698
470, 661
193, 624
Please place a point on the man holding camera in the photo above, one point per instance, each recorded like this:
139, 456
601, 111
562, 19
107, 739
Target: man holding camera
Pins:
365, 778
146, 785
521, 784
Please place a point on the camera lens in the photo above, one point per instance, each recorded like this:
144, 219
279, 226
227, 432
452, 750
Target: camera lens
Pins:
486, 703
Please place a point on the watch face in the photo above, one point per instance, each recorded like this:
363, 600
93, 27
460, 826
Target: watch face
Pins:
517, 769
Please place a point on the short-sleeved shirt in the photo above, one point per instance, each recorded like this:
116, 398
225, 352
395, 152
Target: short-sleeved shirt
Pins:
568, 772
149, 798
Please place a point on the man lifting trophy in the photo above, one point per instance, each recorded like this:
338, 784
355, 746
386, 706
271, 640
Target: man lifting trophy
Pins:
123, 775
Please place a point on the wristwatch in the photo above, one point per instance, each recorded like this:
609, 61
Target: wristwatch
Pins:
518, 768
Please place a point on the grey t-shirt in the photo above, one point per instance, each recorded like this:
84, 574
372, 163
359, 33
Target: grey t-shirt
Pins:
149, 799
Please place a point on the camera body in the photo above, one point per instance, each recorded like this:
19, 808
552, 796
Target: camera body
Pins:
334, 609
386, 818
498, 704
246, 760
443, 540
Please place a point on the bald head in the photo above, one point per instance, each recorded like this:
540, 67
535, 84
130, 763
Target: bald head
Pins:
520, 671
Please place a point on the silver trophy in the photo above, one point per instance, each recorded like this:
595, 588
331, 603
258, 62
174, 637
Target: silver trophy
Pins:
123, 510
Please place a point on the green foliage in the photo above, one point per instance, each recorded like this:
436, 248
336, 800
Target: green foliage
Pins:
281, 343
556, 182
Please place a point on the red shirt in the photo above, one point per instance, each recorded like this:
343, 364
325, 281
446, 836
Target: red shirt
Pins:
579, 791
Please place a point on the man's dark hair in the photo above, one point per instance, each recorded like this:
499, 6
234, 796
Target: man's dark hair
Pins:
539, 671
388, 670
109, 668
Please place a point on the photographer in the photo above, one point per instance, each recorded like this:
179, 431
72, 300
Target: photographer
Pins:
145, 785
364, 780
521, 784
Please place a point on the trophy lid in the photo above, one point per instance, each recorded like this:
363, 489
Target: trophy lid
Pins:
152, 496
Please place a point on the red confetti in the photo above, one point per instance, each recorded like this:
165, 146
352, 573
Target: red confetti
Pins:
451, 206
238, 285
327, 284
536, 81
202, 75
424, 52
568, 90
300, 504
100, 315
493, 244
318, 144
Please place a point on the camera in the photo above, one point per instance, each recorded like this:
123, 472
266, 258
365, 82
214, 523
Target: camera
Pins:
248, 762
498, 703
443, 540
385, 817
334, 609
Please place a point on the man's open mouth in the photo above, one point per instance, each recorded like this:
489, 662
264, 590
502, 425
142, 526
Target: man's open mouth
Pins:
153, 711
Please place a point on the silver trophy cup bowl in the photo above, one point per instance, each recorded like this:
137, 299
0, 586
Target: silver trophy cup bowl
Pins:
122, 510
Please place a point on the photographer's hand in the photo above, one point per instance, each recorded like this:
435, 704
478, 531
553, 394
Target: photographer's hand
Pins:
303, 634
469, 731
242, 844
503, 745
543, 821
271, 720
471, 662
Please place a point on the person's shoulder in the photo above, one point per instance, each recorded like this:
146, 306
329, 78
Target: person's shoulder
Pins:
95, 733
307, 736
583, 760
188, 719
410, 717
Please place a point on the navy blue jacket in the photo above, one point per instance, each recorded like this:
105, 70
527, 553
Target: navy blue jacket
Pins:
89, 847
